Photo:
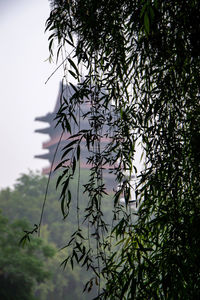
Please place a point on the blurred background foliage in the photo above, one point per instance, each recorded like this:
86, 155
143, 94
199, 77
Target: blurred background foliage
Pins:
34, 271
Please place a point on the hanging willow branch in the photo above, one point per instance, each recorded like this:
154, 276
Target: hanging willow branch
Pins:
140, 61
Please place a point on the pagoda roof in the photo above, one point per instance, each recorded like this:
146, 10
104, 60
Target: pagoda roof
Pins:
46, 130
44, 156
55, 132
54, 140
47, 118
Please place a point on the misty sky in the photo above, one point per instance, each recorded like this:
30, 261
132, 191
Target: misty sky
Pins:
23, 93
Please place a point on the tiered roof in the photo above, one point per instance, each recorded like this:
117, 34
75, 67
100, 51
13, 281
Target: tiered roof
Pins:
54, 133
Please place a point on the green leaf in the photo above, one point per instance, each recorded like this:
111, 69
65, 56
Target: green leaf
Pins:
66, 152
73, 74
73, 66
146, 23
70, 144
78, 152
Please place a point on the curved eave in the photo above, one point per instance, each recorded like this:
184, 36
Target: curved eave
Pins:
48, 118
43, 156
47, 130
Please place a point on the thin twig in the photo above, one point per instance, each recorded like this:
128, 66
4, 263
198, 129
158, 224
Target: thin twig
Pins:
47, 187
59, 66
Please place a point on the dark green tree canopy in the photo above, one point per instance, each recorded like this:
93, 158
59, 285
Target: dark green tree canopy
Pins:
21, 269
137, 64
35, 271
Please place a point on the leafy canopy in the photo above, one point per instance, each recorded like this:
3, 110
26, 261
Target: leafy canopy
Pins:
136, 63
21, 268
33, 269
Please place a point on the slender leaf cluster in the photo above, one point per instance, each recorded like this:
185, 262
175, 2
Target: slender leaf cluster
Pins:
140, 62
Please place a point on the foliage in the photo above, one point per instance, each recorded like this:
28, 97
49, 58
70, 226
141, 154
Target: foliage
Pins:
21, 269
23, 204
141, 78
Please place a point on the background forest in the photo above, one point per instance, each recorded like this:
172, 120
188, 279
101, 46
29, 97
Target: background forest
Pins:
34, 271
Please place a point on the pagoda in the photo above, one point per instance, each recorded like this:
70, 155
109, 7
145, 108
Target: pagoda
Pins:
55, 133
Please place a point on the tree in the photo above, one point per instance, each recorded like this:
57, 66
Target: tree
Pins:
140, 62
21, 206
21, 269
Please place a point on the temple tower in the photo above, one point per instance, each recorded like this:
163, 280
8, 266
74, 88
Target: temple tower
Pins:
55, 132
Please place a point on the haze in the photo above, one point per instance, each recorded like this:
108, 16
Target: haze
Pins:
23, 93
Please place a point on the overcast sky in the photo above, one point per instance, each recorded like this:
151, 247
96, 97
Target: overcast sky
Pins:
23, 93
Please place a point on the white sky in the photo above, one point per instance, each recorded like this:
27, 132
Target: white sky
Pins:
23, 93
